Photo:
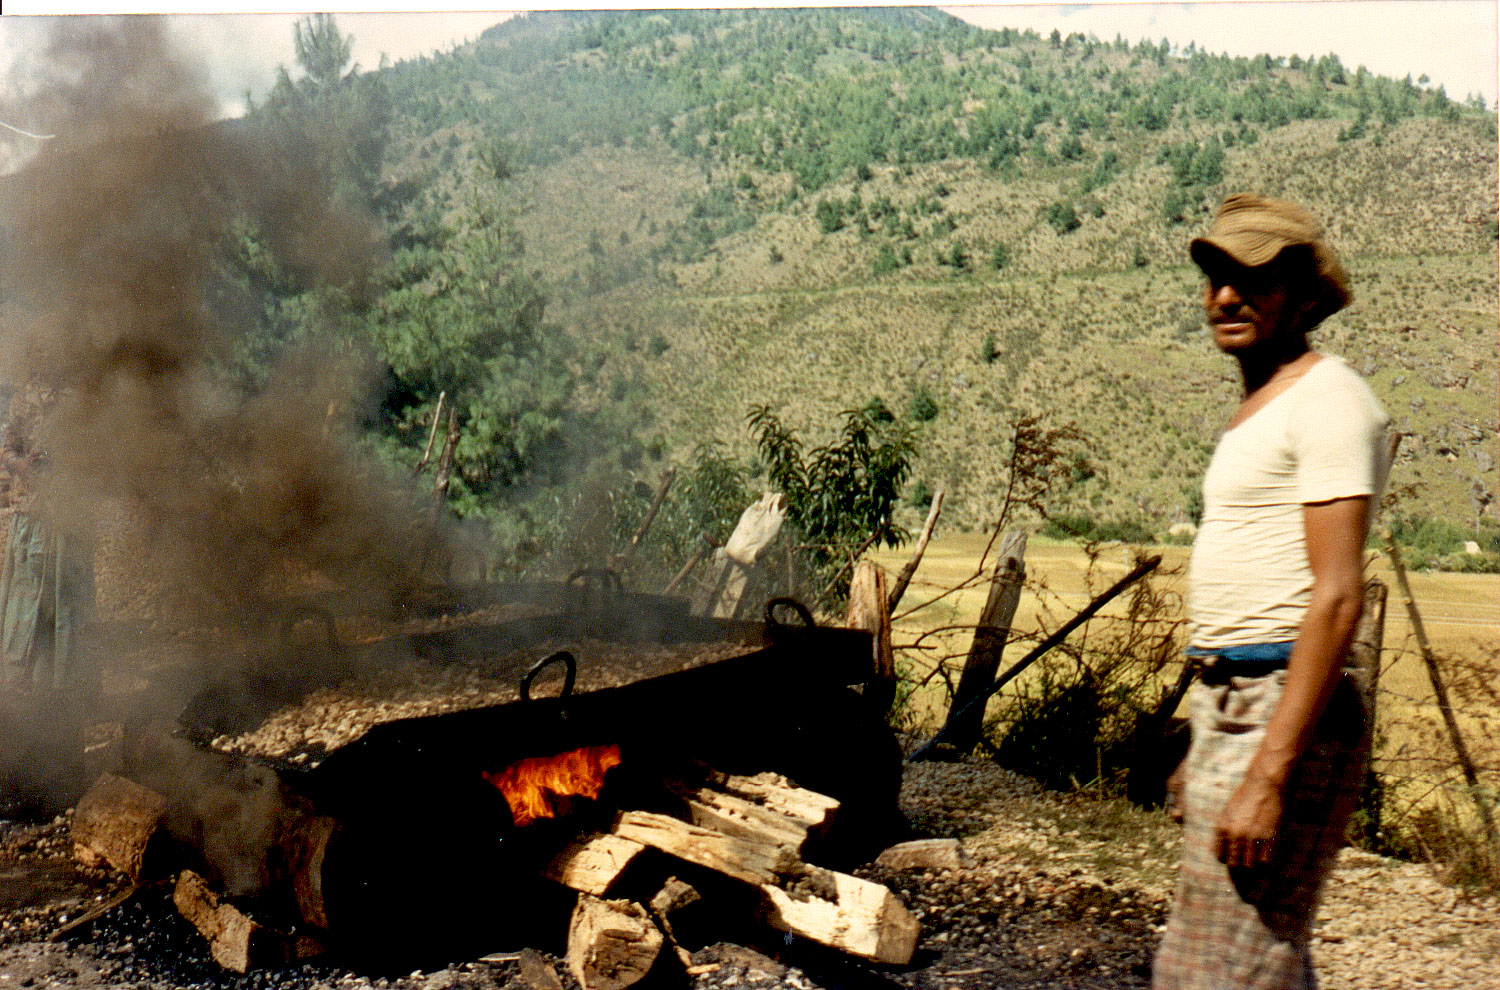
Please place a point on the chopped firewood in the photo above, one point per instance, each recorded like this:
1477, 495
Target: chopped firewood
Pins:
592, 864
833, 909
744, 819
925, 854
780, 795
611, 944
754, 862
116, 821
856, 916
674, 895
236, 941
536, 972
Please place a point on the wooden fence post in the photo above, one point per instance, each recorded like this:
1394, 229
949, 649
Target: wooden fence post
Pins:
1460, 748
869, 610
965, 720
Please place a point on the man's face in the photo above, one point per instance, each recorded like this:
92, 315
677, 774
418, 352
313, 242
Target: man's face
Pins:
1247, 308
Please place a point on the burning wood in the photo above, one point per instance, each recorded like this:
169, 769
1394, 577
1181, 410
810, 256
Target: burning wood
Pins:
533, 786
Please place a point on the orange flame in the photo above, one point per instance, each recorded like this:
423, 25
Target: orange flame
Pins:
531, 785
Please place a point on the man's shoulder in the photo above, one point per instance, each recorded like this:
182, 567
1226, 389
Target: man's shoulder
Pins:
1336, 382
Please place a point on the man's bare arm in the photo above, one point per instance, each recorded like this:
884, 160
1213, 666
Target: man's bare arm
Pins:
1335, 544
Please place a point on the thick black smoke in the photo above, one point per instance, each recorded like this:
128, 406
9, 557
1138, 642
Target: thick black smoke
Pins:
112, 234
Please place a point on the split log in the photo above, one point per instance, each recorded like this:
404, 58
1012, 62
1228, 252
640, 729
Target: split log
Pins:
592, 864
855, 916
833, 909
749, 861
235, 940
673, 897
869, 611
120, 822
744, 819
773, 791
925, 854
611, 944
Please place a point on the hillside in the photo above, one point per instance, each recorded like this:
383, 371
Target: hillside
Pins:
810, 208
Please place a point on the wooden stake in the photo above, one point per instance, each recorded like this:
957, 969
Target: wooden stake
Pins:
966, 720
869, 611
936, 746
909, 569
1435, 675
650, 517
704, 549
437, 417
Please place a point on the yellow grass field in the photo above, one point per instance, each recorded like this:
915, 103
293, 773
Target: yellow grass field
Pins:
1461, 612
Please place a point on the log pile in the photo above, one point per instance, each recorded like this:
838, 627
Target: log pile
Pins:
729, 855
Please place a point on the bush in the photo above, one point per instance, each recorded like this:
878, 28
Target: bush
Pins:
999, 257
886, 260
989, 348
830, 215
922, 408
1063, 218
1066, 526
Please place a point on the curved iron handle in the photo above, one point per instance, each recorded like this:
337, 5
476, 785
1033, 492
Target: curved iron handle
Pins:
596, 577
313, 612
802, 613
561, 656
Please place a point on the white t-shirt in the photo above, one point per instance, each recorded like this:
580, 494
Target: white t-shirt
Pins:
1324, 438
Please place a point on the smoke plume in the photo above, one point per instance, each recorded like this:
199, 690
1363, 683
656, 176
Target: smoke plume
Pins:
113, 233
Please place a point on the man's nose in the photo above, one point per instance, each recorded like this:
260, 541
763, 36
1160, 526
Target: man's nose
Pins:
1226, 297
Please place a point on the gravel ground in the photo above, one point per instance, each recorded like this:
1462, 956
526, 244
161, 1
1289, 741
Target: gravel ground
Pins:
1064, 891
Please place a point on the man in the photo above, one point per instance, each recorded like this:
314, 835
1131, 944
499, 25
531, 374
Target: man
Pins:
1279, 733
48, 681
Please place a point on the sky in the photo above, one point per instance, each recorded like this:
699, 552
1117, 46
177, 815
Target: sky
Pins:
1451, 41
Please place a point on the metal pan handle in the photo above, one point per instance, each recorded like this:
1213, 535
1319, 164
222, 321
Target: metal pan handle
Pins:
595, 577
562, 656
802, 613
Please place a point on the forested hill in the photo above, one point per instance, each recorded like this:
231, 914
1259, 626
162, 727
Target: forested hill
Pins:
677, 215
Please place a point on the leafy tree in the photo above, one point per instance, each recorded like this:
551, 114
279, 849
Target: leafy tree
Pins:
840, 495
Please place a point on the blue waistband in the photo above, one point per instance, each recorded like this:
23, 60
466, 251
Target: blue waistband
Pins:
1267, 653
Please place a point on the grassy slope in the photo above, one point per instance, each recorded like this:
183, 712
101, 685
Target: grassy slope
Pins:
1083, 332
1085, 336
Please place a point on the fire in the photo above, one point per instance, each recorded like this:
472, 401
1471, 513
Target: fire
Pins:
531, 786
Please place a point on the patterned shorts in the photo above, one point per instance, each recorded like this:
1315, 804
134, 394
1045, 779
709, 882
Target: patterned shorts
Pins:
1248, 929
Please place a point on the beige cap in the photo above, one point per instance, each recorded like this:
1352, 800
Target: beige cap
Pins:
1252, 230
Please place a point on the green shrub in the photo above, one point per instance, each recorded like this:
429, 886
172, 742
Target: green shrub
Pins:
1076, 526
1063, 218
922, 407
999, 257
886, 260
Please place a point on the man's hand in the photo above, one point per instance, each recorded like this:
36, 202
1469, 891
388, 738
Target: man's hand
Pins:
1176, 781
1248, 823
